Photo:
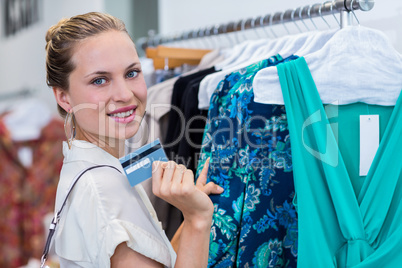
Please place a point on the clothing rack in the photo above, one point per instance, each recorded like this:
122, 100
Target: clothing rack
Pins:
345, 7
23, 93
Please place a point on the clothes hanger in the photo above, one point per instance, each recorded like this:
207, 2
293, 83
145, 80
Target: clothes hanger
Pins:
235, 53
322, 17
268, 49
209, 44
268, 77
250, 47
283, 24
357, 64
239, 58
292, 45
318, 40
285, 46
271, 17
260, 52
262, 25
238, 34
309, 16
208, 40
364, 60
292, 16
253, 26
301, 19
333, 14
257, 48
209, 83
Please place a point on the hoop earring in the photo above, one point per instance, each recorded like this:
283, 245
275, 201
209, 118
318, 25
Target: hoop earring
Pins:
72, 129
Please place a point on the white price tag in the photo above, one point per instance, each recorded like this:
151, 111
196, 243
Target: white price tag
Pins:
369, 141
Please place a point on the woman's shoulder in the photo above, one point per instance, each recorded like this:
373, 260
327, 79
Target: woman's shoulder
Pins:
93, 181
103, 211
89, 209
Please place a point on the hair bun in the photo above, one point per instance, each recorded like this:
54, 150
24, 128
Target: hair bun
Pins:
54, 30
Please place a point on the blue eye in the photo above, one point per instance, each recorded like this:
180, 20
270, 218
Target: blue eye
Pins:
132, 74
99, 81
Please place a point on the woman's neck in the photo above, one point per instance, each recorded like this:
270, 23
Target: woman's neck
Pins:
115, 147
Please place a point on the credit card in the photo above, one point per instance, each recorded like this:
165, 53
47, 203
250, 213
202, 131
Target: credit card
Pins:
138, 164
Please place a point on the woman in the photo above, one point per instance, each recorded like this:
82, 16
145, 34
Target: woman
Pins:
94, 70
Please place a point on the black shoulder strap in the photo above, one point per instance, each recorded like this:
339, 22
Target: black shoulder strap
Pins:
56, 217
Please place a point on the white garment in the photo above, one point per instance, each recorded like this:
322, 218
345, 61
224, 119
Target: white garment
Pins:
210, 82
27, 118
357, 64
245, 54
231, 54
252, 52
104, 211
285, 46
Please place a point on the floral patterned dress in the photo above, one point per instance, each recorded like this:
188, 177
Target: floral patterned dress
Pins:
254, 222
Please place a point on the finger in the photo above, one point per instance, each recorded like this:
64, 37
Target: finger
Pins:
176, 183
202, 179
166, 181
178, 173
212, 188
188, 181
157, 173
169, 169
164, 164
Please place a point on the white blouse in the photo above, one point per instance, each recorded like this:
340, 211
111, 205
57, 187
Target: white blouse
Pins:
102, 211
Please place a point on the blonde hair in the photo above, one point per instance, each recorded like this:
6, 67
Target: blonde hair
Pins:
61, 39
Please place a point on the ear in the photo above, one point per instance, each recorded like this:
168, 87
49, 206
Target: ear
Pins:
62, 98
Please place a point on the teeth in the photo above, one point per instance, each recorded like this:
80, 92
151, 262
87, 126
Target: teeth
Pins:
122, 115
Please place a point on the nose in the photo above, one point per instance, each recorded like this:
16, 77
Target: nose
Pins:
122, 91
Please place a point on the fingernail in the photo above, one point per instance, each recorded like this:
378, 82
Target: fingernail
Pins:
219, 188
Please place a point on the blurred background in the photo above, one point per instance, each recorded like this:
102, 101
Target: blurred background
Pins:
31, 132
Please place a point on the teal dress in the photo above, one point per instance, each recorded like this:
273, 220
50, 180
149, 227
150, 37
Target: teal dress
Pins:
345, 220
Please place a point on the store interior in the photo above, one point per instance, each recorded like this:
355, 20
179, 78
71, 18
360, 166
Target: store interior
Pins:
32, 131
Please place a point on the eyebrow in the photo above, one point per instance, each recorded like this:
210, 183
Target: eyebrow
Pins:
105, 72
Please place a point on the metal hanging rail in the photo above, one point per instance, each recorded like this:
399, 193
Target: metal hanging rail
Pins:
25, 92
345, 7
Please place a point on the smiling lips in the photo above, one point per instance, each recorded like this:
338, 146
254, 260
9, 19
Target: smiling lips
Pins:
124, 115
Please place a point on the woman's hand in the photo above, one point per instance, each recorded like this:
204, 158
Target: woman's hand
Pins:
175, 184
210, 187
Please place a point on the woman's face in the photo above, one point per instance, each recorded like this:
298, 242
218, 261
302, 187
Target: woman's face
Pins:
107, 90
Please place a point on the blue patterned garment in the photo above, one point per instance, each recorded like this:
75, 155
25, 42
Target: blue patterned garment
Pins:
254, 222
